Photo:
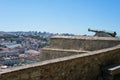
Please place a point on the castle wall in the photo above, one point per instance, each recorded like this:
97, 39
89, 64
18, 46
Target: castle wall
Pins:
61, 46
82, 42
85, 66
50, 53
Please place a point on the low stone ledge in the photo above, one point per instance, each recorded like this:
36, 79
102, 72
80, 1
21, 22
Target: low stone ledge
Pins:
112, 70
85, 37
67, 50
51, 53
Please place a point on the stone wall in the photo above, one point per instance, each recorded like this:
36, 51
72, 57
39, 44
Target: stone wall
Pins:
85, 66
50, 53
61, 46
82, 42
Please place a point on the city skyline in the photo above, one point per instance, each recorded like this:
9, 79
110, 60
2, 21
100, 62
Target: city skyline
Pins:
60, 16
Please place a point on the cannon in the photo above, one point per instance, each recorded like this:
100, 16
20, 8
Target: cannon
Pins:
102, 33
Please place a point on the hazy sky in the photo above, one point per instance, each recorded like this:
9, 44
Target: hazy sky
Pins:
60, 16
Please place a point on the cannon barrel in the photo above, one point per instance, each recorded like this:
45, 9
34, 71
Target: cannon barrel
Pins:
113, 34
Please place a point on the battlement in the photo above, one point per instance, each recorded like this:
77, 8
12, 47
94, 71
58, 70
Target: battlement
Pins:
61, 46
82, 42
71, 58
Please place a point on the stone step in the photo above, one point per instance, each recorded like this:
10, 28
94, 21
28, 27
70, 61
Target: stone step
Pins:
111, 72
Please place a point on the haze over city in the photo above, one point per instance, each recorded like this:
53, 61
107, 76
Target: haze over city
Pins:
60, 16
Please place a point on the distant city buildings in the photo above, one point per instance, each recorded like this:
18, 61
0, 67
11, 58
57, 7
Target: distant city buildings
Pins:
19, 48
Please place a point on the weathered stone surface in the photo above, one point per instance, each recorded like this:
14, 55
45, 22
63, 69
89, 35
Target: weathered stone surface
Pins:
50, 53
61, 46
82, 43
85, 66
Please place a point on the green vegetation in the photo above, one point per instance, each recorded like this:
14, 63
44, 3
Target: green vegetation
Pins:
7, 37
38, 37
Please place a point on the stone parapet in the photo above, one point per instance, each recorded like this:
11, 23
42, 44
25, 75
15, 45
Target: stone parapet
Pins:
87, 66
82, 42
76, 58
61, 46
51, 53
